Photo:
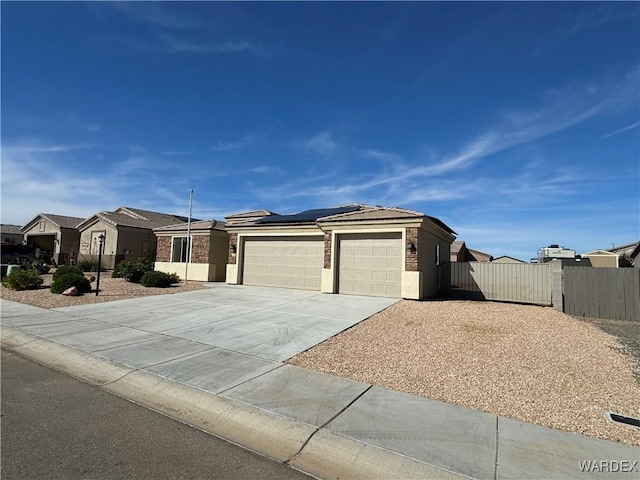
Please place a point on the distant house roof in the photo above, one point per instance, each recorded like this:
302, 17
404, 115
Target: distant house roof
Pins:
134, 217
195, 226
61, 221
456, 246
479, 256
507, 258
345, 213
10, 229
605, 253
628, 248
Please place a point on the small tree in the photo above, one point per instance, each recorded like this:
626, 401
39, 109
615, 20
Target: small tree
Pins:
625, 261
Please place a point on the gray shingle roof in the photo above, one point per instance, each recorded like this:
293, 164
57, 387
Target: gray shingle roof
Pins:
195, 226
7, 228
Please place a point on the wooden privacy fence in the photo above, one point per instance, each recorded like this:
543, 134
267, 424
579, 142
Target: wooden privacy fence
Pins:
612, 293
522, 283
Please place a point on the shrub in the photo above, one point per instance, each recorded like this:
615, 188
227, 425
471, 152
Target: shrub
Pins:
23, 280
88, 265
157, 279
68, 280
175, 278
133, 271
65, 269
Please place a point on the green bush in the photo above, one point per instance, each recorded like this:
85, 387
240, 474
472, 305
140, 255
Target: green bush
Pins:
23, 280
65, 269
133, 271
88, 264
68, 280
157, 279
175, 278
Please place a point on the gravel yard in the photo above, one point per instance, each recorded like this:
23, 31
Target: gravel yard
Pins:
526, 362
110, 289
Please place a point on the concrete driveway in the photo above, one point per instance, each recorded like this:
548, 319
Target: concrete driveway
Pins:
265, 325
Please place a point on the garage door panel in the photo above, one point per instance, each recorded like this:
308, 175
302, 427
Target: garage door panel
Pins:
293, 262
370, 264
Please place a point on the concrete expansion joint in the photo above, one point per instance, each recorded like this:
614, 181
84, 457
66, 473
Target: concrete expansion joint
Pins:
321, 427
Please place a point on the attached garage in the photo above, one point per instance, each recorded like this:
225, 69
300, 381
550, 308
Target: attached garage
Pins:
370, 264
353, 249
292, 262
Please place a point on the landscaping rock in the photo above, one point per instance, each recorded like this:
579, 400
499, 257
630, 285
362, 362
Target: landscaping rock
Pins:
71, 292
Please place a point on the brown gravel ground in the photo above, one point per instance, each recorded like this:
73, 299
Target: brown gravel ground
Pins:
110, 289
526, 362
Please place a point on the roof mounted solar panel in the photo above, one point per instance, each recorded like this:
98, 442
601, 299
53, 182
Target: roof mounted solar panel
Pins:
308, 215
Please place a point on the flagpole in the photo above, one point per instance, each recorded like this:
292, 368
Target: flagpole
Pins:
186, 265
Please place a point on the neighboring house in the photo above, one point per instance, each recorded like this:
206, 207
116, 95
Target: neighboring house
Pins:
602, 258
57, 236
480, 256
353, 249
461, 253
507, 259
11, 234
208, 257
630, 249
128, 234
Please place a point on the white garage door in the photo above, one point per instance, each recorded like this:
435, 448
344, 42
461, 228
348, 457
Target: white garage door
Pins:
371, 264
292, 262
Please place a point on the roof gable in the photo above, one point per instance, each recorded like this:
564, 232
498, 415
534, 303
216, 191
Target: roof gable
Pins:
57, 220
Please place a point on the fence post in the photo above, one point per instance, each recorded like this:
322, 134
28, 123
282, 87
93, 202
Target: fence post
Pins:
557, 292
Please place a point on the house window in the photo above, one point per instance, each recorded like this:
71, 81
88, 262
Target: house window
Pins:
180, 249
437, 256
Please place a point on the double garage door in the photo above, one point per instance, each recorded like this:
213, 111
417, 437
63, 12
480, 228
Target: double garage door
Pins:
367, 264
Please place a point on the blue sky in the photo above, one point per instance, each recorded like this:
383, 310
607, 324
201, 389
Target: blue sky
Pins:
517, 124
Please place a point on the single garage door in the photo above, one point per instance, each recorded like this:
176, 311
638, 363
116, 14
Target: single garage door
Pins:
292, 262
371, 264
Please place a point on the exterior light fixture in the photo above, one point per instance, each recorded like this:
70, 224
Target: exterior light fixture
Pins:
233, 248
100, 247
411, 246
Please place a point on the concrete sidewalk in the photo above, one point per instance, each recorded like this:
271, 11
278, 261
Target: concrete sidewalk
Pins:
327, 426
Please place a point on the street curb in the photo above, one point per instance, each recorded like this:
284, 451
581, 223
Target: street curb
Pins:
317, 452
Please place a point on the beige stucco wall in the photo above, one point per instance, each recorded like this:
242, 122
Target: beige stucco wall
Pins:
211, 270
110, 242
602, 260
200, 272
131, 243
431, 273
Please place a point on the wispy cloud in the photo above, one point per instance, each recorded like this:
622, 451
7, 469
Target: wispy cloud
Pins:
323, 143
35, 147
247, 140
412, 179
616, 132
154, 14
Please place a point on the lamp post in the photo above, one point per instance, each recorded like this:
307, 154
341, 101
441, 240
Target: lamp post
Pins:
100, 245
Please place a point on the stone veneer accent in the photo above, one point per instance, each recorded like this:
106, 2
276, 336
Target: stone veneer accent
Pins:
163, 249
233, 242
411, 257
327, 249
200, 249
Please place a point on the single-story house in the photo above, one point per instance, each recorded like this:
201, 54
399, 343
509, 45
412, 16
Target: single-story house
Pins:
128, 234
205, 262
57, 236
11, 234
602, 258
461, 253
507, 259
353, 249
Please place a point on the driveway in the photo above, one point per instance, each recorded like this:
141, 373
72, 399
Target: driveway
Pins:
213, 338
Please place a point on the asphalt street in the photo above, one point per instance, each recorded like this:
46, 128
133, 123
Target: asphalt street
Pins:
54, 426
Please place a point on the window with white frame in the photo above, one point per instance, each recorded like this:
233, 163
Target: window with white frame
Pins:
180, 249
